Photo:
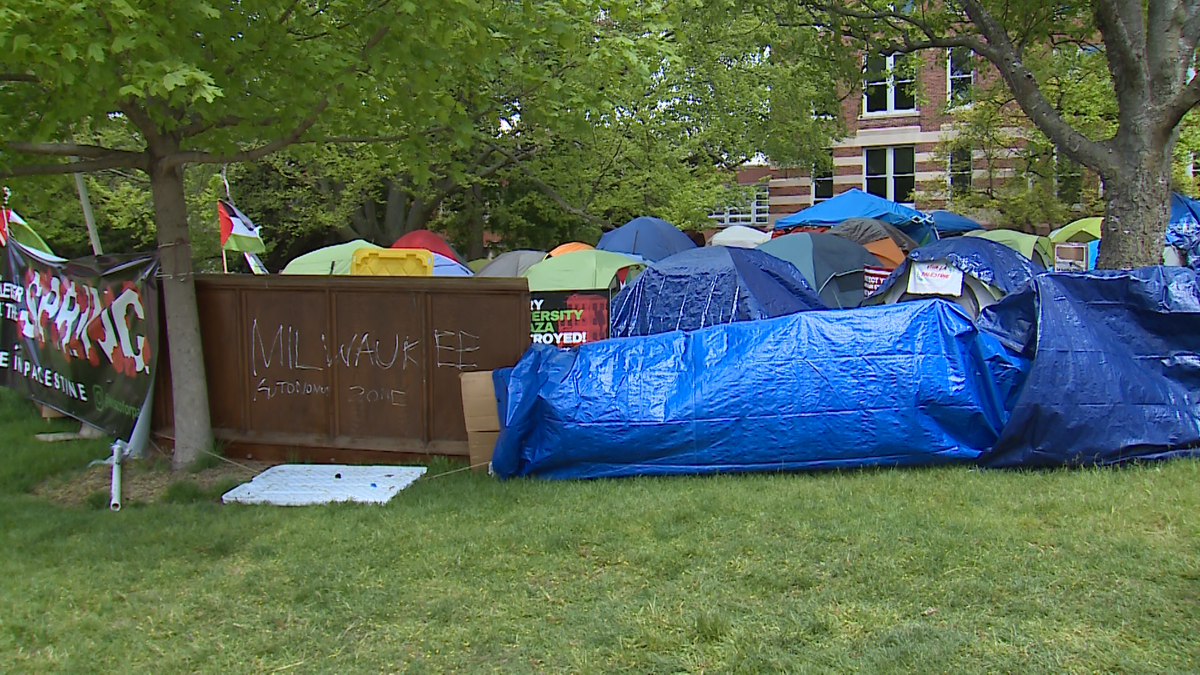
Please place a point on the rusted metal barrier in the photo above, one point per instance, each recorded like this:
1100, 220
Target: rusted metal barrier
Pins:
346, 368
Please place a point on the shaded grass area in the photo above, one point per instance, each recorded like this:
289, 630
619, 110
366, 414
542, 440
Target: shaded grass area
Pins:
947, 570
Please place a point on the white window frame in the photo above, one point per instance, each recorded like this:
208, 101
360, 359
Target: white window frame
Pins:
950, 77
891, 174
812, 189
950, 173
754, 213
890, 81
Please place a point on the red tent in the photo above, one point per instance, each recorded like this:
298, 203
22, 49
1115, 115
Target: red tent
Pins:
428, 241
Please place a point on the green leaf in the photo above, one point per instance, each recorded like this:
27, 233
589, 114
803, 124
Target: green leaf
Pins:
95, 52
69, 53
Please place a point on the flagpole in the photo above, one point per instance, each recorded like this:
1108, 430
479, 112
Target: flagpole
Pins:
88, 218
224, 261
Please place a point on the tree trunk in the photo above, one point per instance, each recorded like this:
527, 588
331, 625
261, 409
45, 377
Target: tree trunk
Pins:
475, 249
1138, 209
393, 214
189, 388
419, 212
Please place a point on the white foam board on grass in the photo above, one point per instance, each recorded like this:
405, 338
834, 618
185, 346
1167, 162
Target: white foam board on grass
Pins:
304, 484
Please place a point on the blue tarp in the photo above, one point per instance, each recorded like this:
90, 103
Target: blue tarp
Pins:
854, 203
709, 286
1115, 372
990, 262
907, 384
948, 222
1183, 231
650, 238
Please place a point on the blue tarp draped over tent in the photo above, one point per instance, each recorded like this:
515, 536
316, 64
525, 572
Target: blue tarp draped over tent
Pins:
648, 237
1115, 371
855, 203
990, 262
709, 286
948, 222
907, 384
1183, 231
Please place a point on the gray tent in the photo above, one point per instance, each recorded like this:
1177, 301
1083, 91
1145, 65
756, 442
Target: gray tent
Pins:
511, 264
867, 230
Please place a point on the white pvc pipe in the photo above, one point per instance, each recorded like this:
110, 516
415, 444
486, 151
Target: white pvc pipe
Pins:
114, 501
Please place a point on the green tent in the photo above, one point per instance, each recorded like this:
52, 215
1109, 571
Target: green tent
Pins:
578, 271
1038, 249
1081, 231
334, 259
476, 265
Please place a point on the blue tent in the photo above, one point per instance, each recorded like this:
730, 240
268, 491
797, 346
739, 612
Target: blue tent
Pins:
990, 262
855, 203
444, 266
650, 238
909, 384
1183, 231
1113, 375
709, 286
948, 222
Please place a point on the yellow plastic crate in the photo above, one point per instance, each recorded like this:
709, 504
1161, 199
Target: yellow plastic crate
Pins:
392, 262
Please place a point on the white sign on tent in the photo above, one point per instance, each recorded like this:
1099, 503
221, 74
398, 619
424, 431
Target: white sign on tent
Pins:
928, 278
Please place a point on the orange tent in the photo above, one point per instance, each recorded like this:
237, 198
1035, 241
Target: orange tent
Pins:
570, 247
887, 251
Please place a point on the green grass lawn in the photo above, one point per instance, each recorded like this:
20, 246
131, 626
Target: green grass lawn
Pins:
949, 570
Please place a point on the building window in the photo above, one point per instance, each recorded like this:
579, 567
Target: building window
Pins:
890, 84
960, 76
891, 173
961, 171
752, 212
1068, 180
822, 181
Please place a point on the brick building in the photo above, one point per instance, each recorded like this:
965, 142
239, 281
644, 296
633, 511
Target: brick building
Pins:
895, 122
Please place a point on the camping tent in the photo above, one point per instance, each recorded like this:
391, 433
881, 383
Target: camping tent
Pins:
334, 259
428, 241
831, 264
577, 271
990, 270
739, 236
478, 264
854, 203
1080, 231
569, 247
1038, 249
709, 286
950, 223
511, 264
885, 241
650, 238
444, 266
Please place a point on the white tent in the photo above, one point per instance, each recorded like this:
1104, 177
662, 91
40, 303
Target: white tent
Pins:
739, 236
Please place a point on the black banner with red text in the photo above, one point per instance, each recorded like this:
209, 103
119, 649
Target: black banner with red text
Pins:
80, 336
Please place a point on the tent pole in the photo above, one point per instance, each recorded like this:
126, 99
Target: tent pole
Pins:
224, 262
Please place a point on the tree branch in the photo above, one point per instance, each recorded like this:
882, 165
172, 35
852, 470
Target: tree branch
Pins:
261, 151
1187, 99
67, 150
547, 190
18, 77
85, 166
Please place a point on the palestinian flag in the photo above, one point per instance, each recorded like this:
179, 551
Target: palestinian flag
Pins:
8, 217
238, 233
